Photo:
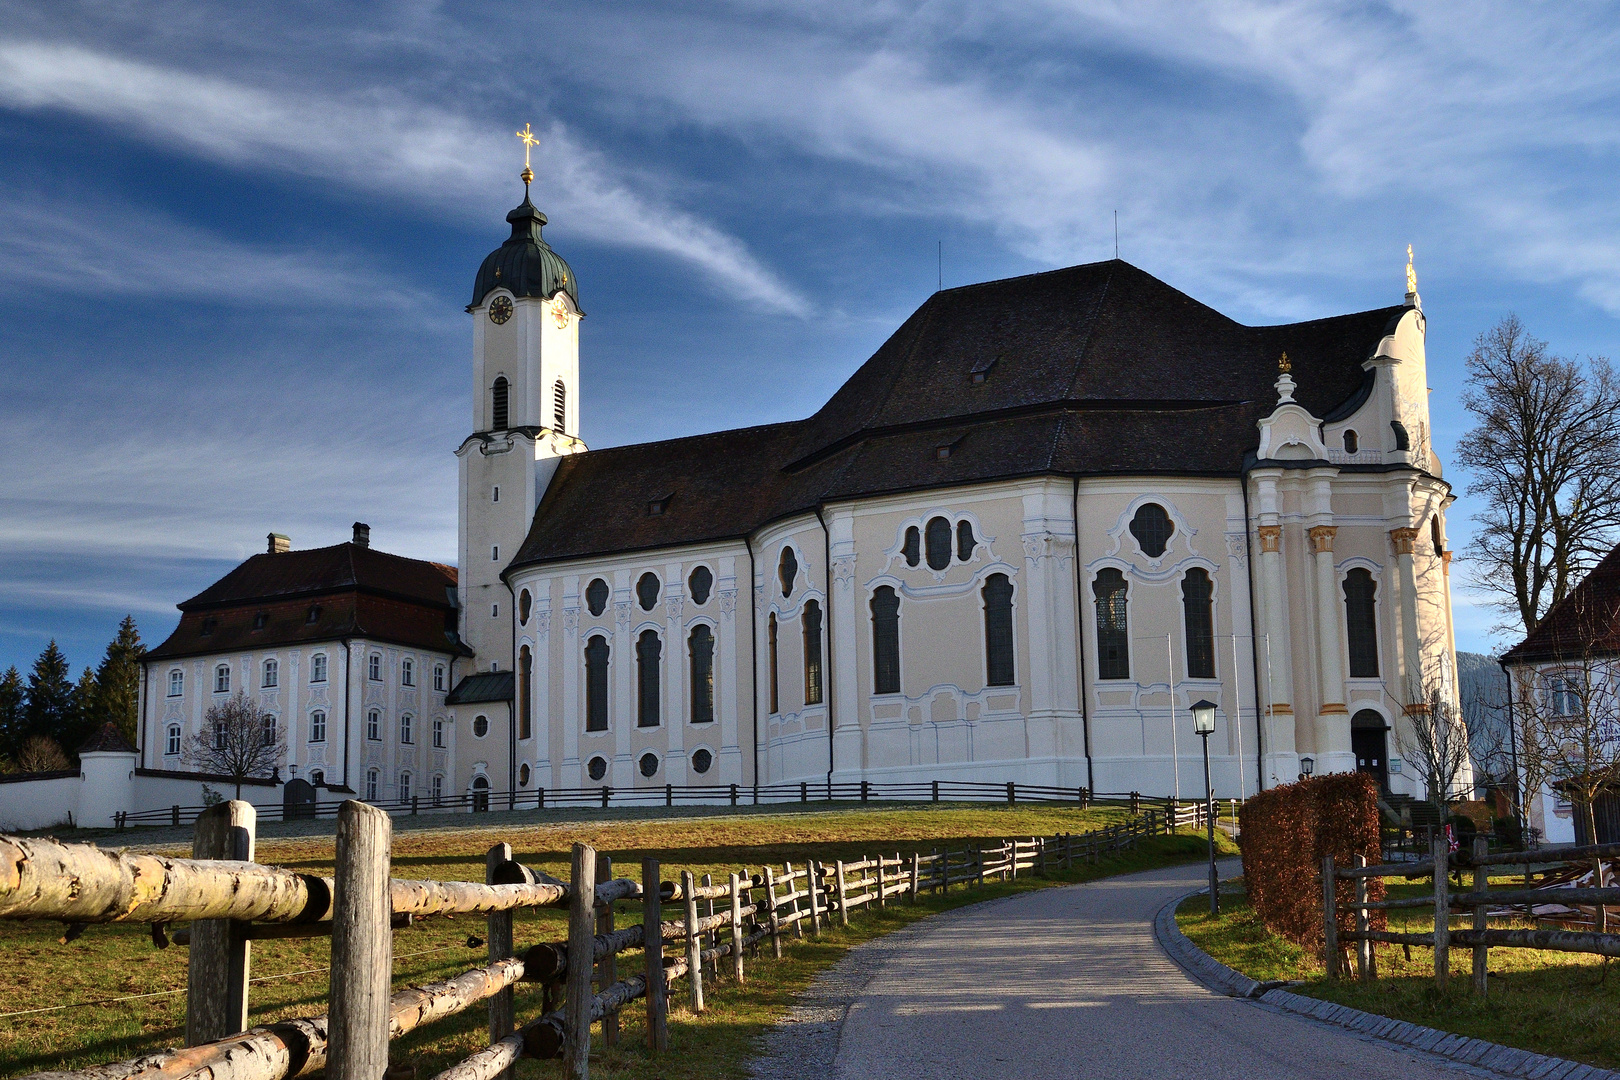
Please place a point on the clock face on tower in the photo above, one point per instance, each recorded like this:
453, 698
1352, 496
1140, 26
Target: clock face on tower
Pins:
559, 312
500, 309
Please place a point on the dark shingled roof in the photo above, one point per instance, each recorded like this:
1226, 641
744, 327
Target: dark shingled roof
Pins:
1583, 625
482, 687
525, 263
1093, 370
108, 738
320, 594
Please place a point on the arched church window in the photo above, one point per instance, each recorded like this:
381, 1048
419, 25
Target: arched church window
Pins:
788, 569
912, 548
998, 631
964, 540
1113, 636
647, 590
596, 597
885, 641
700, 646
1152, 528
699, 584
1434, 534
770, 655
812, 653
559, 407
498, 395
1198, 604
1352, 441
596, 683
938, 537
648, 650
1361, 622
525, 692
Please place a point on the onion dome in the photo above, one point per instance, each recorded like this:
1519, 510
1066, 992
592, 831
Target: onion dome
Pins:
525, 265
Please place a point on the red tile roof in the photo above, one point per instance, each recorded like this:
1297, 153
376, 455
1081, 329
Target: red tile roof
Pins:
1585, 623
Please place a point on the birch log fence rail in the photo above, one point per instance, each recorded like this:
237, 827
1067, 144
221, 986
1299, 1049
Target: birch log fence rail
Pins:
1479, 903
229, 900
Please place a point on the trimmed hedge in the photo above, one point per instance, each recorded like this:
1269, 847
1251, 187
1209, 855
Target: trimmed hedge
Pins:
1289, 830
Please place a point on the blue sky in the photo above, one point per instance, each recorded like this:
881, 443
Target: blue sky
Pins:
236, 239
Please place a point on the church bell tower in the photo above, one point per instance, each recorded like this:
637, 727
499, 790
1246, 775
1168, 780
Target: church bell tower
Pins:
525, 312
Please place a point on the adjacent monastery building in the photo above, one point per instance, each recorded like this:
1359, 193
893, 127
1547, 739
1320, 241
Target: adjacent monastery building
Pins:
1047, 516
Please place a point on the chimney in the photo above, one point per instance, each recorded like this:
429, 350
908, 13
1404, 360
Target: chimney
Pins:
362, 534
279, 545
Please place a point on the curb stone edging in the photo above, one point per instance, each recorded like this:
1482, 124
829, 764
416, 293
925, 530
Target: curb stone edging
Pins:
1495, 1057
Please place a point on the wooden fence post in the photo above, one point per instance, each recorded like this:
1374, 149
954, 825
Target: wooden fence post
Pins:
607, 971
362, 945
1364, 948
217, 969
813, 883
843, 908
1440, 852
916, 877
653, 949
736, 928
694, 950
1482, 882
775, 925
882, 880
709, 936
502, 1017
1040, 855
581, 948
1330, 917
798, 923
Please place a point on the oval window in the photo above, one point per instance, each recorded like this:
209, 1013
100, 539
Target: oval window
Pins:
525, 602
647, 590
597, 768
649, 764
700, 584
596, 597
912, 548
702, 760
787, 570
1352, 442
964, 540
1152, 528
523, 775
480, 726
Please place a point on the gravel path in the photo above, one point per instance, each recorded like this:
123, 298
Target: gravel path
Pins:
1063, 982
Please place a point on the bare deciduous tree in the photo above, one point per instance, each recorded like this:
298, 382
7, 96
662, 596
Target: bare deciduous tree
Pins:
1544, 456
238, 740
41, 754
1435, 740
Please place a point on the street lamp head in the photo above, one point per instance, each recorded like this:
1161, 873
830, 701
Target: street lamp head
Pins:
1203, 713
1306, 764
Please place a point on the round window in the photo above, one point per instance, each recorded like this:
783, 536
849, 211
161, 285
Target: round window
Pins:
649, 764
597, 768
702, 760
596, 597
523, 775
480, 726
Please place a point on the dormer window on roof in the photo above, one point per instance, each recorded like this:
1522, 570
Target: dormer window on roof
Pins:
207, 627
982, 368
658, 506
260, 620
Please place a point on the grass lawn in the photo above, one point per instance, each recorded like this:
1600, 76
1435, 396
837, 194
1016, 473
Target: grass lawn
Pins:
1563, 1004
114, 961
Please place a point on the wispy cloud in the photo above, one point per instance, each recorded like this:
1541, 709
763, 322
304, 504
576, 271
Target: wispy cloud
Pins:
371, 142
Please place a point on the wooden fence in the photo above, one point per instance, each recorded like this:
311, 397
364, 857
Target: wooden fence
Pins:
230, 900
1479, 903
605, 796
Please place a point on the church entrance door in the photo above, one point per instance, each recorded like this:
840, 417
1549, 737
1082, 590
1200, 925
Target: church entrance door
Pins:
1370, 743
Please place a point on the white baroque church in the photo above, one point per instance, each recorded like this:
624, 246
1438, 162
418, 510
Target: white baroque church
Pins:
1045, 518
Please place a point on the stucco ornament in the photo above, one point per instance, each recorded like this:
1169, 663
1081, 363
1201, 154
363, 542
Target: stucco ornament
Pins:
728, 602
844, 571
673, 606
571, 619
1046, 545
621, 615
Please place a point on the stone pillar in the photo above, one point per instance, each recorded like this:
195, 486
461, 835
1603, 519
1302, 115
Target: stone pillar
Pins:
1411, 688
569, 713
1333, 719
848, 620
1275, 654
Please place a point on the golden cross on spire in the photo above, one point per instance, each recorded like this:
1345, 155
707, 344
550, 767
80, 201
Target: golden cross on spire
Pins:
1411, 274
529, 141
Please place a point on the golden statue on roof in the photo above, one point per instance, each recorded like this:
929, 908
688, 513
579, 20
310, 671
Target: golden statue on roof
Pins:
529, 141
1411, 274
1283, 364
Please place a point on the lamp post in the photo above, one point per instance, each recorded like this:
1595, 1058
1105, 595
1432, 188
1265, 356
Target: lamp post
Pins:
1306, 764
1203, 712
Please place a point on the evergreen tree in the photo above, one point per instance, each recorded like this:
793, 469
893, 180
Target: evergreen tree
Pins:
49, 710
13, 725
86, 716
118, 679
